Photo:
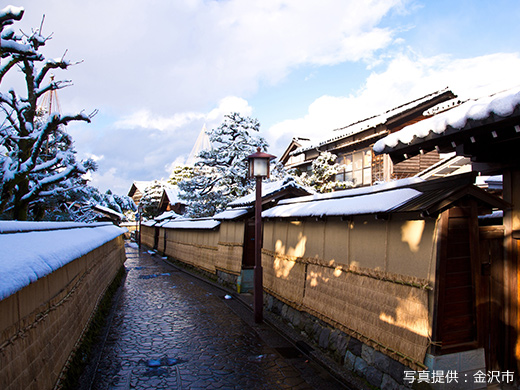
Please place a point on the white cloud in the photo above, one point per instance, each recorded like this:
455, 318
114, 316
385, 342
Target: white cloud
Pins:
109, 179
407, 77
94, 157
145, 147
178, 56
145, 119
228, 105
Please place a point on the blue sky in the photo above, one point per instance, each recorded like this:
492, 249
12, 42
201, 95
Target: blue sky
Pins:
158, 71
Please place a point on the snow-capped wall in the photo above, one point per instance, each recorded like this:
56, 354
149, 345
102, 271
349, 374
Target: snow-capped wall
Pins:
32, 250
52, 278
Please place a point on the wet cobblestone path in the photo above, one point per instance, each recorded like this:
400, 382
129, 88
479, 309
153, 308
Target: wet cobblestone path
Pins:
171, 330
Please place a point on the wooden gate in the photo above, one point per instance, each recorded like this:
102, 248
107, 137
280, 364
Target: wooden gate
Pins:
248, 259
492, 300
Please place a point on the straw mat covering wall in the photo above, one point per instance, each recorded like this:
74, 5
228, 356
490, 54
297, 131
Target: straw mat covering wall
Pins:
229, 257
284, 277
231, 240
193, 247
394, 315
344, 274
147, 235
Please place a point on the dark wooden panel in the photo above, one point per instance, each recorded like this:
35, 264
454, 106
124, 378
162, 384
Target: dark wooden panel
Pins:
462, 264
460, 279
459, 234
459, 294
465, 335
455, 308
458, 250
453, 324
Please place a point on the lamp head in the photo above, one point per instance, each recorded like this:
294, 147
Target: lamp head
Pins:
259, 164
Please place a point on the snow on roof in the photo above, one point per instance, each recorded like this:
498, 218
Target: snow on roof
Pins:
142, 185
167, 215
206, 224
172, 193
108, 211
370, 203
269, 188
502, 104
32, 250
231, 213
369, 123
355, 191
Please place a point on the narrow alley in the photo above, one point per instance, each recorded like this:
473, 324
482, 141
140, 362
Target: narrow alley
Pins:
171, 330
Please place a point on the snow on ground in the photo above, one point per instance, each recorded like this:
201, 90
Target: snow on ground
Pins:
32, 250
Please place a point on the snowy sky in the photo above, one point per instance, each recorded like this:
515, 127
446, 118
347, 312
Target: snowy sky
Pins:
158, 71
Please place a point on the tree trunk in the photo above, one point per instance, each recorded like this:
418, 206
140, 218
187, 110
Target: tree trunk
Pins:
20, 208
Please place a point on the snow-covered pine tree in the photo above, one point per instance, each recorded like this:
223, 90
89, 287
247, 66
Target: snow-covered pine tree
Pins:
221, 173
78, 205
37, 158
151, 198
322, 177
180, 173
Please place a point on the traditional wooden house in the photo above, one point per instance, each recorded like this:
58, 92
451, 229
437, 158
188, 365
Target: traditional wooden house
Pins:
487, 131
352, 145
164, 195
170, 201
137, 190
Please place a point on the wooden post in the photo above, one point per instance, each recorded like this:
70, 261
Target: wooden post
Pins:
258, 277
511, 183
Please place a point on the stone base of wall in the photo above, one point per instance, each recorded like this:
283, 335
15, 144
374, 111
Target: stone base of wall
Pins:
227, 279
378, 369
468, 368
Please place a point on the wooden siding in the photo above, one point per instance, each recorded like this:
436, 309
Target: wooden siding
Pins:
414, 165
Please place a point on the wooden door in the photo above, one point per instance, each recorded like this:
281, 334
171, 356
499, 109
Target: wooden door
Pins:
156, 238
248, 259
492, 328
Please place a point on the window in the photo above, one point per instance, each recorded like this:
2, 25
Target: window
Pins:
356, 167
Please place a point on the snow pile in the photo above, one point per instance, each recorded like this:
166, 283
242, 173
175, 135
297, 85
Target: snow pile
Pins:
37, 249
502, 104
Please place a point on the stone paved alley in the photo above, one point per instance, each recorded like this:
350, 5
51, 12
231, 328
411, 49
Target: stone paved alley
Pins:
171, 330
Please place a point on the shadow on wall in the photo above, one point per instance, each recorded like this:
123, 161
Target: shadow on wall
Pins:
366, 294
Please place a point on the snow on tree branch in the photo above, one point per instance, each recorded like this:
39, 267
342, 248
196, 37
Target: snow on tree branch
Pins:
37, 158
221, 173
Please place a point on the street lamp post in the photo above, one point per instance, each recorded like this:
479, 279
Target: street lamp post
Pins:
140, 212
258, 169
